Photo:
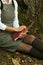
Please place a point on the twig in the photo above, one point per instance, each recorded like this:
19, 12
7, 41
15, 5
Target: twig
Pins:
30, 25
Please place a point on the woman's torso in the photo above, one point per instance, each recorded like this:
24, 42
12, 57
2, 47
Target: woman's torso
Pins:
7, 15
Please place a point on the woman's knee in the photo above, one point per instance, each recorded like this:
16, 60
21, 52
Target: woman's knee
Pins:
32, 37
29, 38
24, 47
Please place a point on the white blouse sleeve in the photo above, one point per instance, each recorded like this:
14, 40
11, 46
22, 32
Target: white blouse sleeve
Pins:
16, 21
2, 26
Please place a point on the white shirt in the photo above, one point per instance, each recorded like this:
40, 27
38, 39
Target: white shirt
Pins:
2, 26
15, 22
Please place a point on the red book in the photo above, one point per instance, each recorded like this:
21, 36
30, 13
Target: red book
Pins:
16, 34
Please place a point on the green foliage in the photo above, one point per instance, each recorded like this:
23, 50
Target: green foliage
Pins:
33, 13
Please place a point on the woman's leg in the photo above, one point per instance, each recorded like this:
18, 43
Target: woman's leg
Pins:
25, 48
32, 40
29, 39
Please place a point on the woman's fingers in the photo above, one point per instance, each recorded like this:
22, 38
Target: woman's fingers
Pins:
22, 35
21, 28
24, 27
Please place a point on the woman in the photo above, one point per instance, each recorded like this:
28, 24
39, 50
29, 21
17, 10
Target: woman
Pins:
28, 44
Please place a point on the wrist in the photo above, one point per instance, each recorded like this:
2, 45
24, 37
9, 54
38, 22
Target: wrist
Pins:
15, 29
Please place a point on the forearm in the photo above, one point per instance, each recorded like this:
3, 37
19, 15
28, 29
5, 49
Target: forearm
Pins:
11, 29
14, 29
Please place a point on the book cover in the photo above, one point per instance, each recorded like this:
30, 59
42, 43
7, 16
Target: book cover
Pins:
16, 34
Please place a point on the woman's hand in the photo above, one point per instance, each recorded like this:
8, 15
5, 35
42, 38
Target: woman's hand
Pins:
11, 29
21, 28
22, 35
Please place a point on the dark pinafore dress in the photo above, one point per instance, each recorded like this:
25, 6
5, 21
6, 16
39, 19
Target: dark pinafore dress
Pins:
7, 17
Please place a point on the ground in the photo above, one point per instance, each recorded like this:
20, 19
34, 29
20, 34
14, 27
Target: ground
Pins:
19, 59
